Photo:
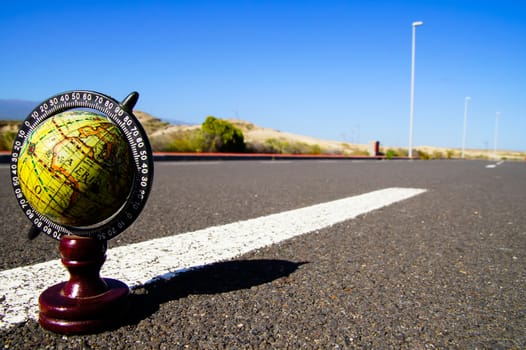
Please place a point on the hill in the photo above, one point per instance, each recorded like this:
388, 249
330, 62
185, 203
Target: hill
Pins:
8, 130
258, 139
15, 109
261, 139
256, 135
166, 136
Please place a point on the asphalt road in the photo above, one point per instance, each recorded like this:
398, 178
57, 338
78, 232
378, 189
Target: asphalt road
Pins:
444, 269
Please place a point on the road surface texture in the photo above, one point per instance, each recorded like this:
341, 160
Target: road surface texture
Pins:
443, 269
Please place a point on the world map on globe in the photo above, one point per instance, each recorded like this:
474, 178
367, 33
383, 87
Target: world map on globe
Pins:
76, 168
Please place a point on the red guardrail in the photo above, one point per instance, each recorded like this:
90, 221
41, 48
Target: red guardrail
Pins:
5, 156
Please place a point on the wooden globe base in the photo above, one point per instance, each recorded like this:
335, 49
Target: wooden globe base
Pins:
86, 303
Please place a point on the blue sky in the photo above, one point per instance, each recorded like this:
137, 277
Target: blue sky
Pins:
336, 70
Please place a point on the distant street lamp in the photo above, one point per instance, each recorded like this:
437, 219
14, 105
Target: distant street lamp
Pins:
496, 134
465, 124
415, 24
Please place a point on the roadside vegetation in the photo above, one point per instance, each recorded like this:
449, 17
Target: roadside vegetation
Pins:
283, 146
220, 135
214, 135
8, 130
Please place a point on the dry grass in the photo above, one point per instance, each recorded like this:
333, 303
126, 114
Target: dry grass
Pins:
163, 134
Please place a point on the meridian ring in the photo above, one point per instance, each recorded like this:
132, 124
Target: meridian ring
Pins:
121, 114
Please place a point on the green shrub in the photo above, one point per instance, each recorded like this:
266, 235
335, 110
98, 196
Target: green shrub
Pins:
6, 140
398, 152
280, 146
221, 136
423, 155
189, 141
437, 155
390, 154
315, 149
273, 146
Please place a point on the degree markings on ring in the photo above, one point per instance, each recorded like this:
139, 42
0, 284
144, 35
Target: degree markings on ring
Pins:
125, 121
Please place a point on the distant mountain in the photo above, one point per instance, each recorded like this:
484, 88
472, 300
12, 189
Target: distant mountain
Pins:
12, 109
16, 109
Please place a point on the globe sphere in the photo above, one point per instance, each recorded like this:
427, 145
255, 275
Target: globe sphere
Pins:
76, 168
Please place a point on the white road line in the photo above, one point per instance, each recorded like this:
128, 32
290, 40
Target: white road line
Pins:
187, 162
491, 166
140, 263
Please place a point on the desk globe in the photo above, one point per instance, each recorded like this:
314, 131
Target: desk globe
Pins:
82, 170
76, 168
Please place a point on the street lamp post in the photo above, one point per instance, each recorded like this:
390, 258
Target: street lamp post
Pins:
465, 124
412, 107
496, 134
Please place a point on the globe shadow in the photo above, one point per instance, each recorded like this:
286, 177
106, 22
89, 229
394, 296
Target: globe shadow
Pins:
215, 278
